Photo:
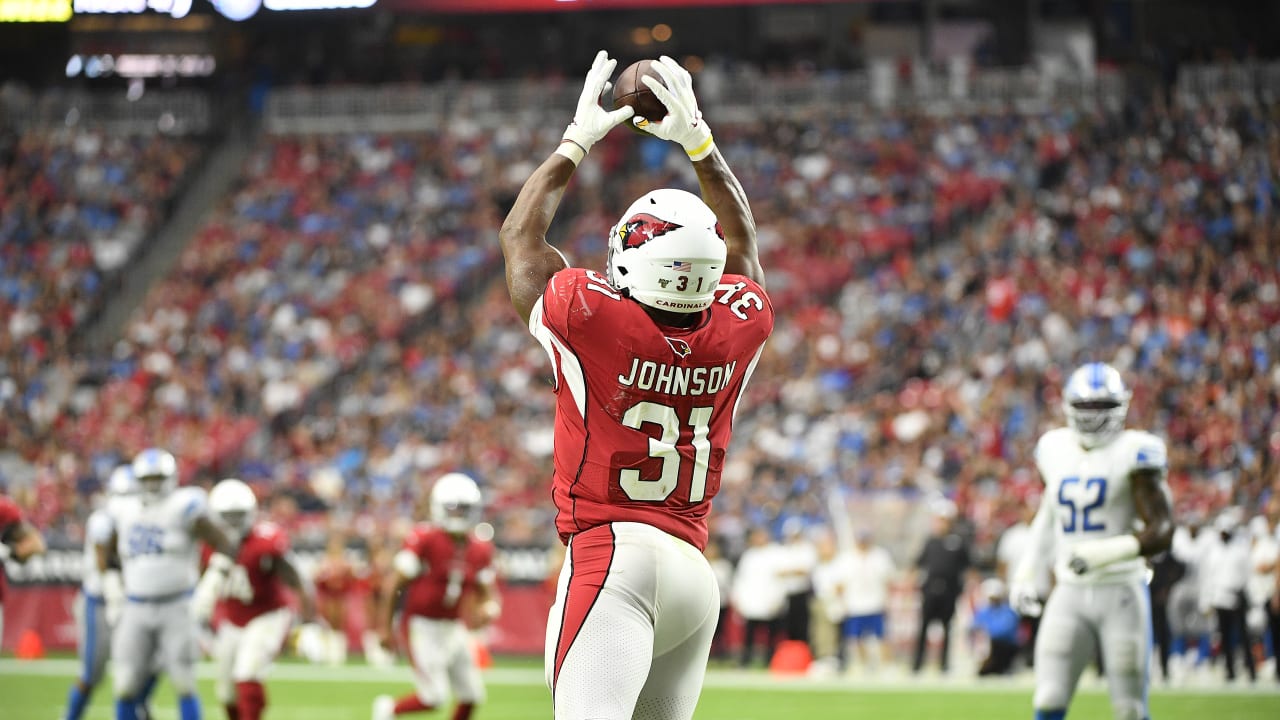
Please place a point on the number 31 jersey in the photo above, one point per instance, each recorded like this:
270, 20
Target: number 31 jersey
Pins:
644, 412
1089, 496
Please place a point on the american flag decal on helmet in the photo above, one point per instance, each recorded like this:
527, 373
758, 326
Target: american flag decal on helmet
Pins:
682, 266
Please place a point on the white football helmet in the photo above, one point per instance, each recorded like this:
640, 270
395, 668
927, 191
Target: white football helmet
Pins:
234, 506
455, 503
122, 483
668, 252
1095, 402
156, 471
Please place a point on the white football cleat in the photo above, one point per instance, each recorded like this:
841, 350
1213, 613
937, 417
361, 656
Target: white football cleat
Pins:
384, 707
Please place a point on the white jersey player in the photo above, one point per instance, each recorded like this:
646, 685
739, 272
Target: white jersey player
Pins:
156, 540
93, 624
1107, 506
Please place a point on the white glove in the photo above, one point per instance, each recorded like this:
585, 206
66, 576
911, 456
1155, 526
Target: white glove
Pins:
590, 121
310, 642
112, 596
683, 124
209, 589
5, 552
1024, 599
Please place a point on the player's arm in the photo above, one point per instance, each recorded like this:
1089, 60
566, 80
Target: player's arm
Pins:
1023, 594
530, 260
209, 588
106, 553
405, 566
721, 190
1151, 503
286, 568
488, 601
21, 541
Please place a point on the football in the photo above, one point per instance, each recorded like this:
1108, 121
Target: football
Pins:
628, 90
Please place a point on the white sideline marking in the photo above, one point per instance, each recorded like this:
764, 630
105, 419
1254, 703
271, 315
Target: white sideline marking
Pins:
716, 678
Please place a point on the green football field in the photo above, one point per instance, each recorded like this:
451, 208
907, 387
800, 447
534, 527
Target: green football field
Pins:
37, 690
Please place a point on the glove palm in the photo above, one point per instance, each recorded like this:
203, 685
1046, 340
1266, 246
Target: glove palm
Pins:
683, 124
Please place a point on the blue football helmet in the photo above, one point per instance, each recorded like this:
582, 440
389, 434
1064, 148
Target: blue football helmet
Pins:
1095, 402
121, 482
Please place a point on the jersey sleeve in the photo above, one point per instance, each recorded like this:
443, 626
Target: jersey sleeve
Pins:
192, 504
551, 311
98, 529
10, 517
1149, 453
1040, 456
275, 543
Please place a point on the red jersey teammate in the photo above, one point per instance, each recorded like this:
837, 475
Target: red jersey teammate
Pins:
19, 540
252, 599
650, 363
445, 578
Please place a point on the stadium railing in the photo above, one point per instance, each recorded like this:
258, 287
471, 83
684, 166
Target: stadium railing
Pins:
172, 112
406, 108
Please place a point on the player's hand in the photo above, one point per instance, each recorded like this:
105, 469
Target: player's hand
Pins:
386, 639
683, 124
591, 122
1025, 600
1078, 565
112, 597
209, 588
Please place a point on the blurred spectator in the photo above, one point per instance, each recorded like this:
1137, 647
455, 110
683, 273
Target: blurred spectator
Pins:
1166, 571
758, 595
828, 608
723, 570
1008, 551
868, 573
997, 621
799, 557
1188, 623
1226, 569
1261, 588
943, 565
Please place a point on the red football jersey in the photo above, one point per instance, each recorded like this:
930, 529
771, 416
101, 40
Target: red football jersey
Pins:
252, 587
450, 570
10, 517
644, 412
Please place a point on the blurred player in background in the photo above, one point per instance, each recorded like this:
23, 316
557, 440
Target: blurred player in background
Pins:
335, 579
19, 541
94, 628
650, 361
156, 539
255, 617
1108, 505
445, 578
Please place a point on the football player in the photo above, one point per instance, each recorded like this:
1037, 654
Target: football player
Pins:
446, 576
19, 541
255, 617
335, 581
94, 627
650, 360
1108, 506
156, 541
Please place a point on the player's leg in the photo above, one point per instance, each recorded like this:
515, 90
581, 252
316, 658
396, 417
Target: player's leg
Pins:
224, 657
179, 651
94, 642
260, 644
426, 643
688, 602
133, 655
600, 630
1065, 644
1125, 637
464, 674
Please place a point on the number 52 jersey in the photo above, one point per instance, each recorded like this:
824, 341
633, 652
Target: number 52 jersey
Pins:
1089, 496
644, 412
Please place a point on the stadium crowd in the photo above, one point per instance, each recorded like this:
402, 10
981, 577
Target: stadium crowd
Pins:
337, 333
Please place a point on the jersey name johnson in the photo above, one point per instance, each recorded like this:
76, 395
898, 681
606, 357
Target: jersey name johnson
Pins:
1090, 494
450, 570
644, 412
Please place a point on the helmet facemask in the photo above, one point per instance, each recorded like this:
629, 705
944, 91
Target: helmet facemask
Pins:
1095, 403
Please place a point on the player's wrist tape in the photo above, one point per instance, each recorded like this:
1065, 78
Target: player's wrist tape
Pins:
702, 150
570, 149
5, 552
219, 563
1105, 551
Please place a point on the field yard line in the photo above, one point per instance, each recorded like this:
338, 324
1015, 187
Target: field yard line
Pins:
716, 678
